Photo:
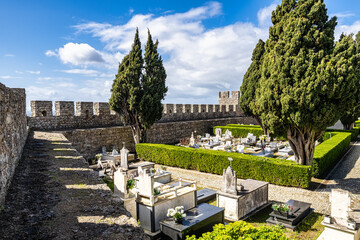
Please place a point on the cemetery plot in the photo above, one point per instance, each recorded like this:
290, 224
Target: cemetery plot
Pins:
290, 218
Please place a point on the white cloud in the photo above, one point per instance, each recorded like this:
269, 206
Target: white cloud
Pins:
79, 54
5, 77
9, 55
82, 71
199, 62
347, 29
33, 72
50, 53
264, 15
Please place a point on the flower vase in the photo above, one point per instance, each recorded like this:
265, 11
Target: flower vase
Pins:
179, 220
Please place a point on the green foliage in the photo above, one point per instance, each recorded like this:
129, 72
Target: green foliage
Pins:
307, 82
130, 183
153, 84
276, 171
328, 153
137, 90
241, 231
354, 132
251, 81
241, 131
243, 126
110, 183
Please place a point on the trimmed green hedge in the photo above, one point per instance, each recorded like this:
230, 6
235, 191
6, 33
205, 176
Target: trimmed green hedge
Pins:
242, 231
354, 132
241, 131
244, 126
277, 171
328, 153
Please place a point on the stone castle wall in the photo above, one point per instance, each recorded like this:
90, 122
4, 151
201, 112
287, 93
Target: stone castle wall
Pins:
90, 141
13, 133
98, 114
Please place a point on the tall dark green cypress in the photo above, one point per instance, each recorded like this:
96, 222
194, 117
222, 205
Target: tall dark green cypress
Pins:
153, 84
350, 116
251, 83
137, 90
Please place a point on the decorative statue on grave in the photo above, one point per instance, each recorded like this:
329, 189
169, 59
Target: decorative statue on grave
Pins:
124, 157
229, 184
192, 140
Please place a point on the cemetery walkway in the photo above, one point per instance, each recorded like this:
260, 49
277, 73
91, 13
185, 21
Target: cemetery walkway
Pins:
346, 175
54, 195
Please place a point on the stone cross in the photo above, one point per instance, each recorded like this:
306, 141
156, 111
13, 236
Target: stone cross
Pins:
124, 157
340, 206
218, 132
229, 184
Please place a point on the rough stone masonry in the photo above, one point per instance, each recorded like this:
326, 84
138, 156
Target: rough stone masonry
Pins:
13, 133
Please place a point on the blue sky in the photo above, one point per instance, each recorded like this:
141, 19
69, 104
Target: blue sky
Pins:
70, 50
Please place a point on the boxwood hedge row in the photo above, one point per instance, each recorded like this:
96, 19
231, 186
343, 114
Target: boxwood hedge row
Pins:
328, 153
354, 132
277, 171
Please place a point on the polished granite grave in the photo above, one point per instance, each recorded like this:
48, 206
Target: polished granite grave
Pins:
205, 195
291, 220
198, 220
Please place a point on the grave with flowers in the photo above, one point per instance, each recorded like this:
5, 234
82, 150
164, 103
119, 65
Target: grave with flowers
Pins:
289, 214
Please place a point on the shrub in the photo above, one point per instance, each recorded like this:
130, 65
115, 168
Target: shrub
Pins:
328, 153
242, 231
277, 171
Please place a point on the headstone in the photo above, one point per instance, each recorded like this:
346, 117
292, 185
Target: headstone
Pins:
340, 204
229, 183
120, 181
114, 152
273, 145
146, 184
103, 150
228, 143
216, 139
124, 157
218, 132
228, 134
240, 148
192, 140
207, 135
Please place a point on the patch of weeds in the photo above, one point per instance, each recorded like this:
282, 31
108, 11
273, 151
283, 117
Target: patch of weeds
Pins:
110, 183
2, 208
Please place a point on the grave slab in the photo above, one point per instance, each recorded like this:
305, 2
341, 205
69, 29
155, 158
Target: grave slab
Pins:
198, 220
205, 195
300, 211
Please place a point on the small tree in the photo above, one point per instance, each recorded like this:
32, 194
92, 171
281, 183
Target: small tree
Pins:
251, 83
307, 81
134, 93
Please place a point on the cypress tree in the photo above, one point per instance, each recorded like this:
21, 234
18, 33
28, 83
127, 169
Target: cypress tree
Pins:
303, 88
137, 90
350, 116
251, 83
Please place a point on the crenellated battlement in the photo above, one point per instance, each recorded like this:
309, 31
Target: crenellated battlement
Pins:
69, 114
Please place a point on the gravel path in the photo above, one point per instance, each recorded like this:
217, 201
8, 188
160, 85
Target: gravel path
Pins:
346, 175
54, 195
